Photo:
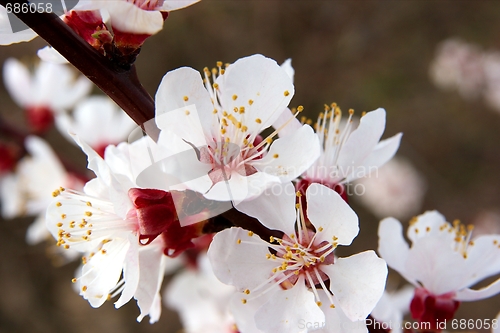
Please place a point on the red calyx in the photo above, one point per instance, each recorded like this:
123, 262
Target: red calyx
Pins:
89, 26
432, 309
156, 215
155, 211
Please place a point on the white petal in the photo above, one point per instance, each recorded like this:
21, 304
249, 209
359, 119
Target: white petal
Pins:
131, 272
7, 37
285, 310
275, 209
392, 246
296, 153
242, 264
261, 80
37, 232
483, 259
335, 319
11, 196
127, 17
102, 271
475, 295
441, 273
169, 5
358, 283
50, 54
152, 267
17, 80
244, 314
426, 225
239, 188
287, 123
327, 210
382, 153
190, 119
362, 140
287, 67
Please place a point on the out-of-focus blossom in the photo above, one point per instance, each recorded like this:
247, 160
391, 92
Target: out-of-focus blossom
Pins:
458, 66
348, 153
392, 307
98, 121
28, 190
443, 262
202, 301
395, 189
487, 222
281, 280
52, 88
224, 120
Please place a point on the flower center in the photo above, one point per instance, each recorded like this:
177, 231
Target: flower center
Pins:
233, 147
299, 257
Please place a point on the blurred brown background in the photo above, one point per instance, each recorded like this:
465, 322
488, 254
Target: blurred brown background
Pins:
360, 54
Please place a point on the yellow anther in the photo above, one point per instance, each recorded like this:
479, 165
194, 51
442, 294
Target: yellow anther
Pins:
56, 193
298, 194
470, 227
297, 206
320, 229
286, 93
235, 97
322, 258
214, 111
238, 241
319, 303
206, 70
103, 251
214, 71
250, 233
215, 85
222, 71
187, 113
242, 109
296, 272
276, 155
84, 288
363, 114
223, 131
185, 98
416, 230
247, 291
428, 229
244, 128
351, 112
73, 280
332, 306
269, 140
268, 256
89, 232
244, 301
271, 239
250, 102
88, 214
66, 246
258, 121
58, 204
59, 224
300, 108
219, 63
